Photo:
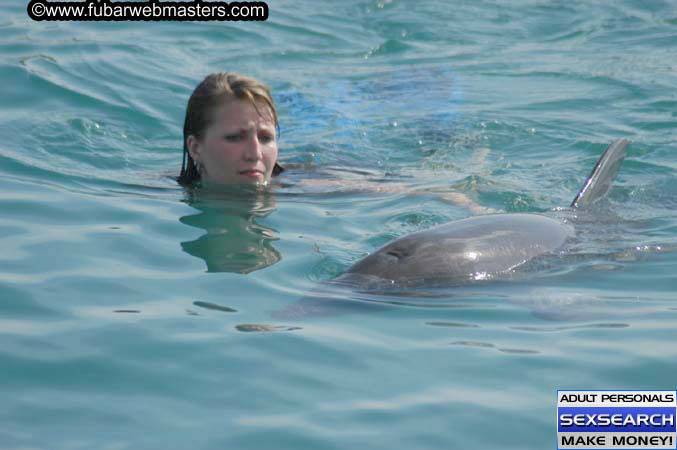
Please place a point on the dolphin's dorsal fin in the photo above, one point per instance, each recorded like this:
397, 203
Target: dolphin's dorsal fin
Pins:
599, 182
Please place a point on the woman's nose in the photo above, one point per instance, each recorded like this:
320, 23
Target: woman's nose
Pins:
253, 149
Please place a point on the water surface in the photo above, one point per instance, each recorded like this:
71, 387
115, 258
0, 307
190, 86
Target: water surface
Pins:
134, 315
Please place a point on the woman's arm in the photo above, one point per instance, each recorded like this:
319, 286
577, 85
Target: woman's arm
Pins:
362, 184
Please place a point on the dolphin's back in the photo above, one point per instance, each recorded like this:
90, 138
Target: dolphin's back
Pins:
474, 248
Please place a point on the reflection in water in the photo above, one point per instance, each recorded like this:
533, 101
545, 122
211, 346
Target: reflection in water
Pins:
452, 324
256, 327
214, 307
515, 351
233, 241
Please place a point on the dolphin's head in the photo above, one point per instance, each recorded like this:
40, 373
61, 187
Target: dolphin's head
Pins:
383, 263
411, 258
475, 248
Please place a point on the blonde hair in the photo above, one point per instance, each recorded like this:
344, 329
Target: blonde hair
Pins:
213, 91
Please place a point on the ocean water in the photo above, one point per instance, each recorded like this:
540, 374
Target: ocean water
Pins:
136, 315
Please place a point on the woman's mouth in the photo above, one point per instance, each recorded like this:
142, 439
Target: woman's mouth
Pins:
253, 173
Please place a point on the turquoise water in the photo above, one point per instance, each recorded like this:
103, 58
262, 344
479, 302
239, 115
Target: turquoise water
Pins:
136, 316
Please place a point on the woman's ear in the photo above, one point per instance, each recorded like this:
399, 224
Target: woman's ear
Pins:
193, 148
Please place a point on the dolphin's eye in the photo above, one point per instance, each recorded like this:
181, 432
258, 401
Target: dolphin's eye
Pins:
395, 253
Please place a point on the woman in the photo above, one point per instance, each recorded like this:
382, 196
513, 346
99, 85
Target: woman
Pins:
230, 132
230, 137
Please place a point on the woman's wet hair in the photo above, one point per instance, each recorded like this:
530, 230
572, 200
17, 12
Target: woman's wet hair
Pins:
215, 90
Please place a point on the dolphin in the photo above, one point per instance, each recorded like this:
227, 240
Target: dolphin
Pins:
482, 247
455, 254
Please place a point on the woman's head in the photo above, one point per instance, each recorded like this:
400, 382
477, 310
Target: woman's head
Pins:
229, 134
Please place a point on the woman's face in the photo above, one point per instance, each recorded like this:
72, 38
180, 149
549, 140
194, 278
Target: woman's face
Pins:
238, 147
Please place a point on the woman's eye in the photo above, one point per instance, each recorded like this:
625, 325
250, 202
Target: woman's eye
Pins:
266, 138
232, 137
